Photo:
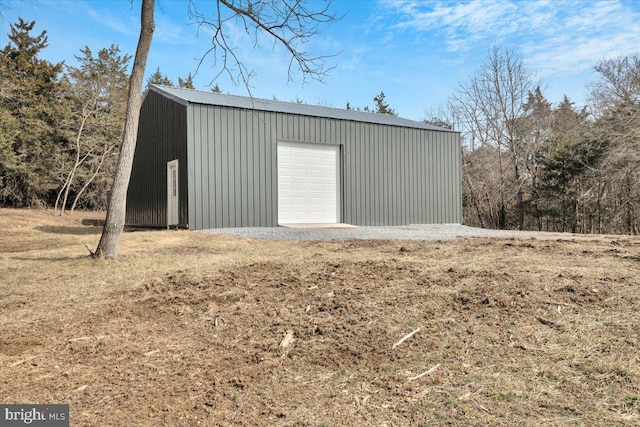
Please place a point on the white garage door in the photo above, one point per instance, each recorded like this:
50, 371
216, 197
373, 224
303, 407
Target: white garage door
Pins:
307, 183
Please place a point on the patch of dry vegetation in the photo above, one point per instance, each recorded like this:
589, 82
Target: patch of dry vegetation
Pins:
188, 329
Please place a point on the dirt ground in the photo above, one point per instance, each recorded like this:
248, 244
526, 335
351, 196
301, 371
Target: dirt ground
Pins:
195, 329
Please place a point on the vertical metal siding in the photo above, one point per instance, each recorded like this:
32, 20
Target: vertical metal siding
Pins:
159, 141
272, 172
433, 183
253, 163
393, 179
211, 165
228, 167
190, 171
245, 173
198, 163
441, 177
350, 176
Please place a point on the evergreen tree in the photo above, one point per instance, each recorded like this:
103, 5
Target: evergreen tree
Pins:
185, 83
30, 114
157, 78
382, 107
216, 89
569, 155
8, 133
534, 131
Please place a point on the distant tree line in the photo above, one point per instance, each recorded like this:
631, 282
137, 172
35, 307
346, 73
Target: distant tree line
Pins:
381, 106
59, 124
528, 164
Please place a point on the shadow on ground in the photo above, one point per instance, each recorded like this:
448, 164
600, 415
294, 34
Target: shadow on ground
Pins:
76, 231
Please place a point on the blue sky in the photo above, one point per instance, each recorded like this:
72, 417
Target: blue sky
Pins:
417, 52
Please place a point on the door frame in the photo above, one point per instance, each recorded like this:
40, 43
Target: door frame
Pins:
173, 165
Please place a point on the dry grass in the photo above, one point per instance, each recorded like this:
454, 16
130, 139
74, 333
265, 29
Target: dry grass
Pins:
188, 329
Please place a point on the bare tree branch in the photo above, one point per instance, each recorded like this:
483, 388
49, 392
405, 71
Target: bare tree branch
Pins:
289, 23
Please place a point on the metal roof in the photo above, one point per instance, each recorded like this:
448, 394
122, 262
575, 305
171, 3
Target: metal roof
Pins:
186, 96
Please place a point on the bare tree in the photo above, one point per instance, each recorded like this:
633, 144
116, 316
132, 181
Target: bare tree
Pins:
442, 116
619, 82
288, 23
96, 90
616, 95
490, 106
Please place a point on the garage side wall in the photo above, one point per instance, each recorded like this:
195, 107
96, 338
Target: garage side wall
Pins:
161, 138
232, 175
398, 176
390, 175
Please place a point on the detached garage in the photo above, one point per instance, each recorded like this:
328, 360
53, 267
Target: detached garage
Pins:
207, 160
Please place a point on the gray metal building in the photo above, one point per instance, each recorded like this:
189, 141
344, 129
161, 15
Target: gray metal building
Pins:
207, 160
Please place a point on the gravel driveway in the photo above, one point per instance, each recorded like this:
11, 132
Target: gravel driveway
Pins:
403, 232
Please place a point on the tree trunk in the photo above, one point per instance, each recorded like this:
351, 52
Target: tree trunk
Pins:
502, 212
66, 182
78, 161
628, 202
474, 200
90, 180
116, 209
520, 195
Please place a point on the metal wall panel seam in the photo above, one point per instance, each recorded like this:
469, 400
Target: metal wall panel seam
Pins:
254, 166
237, 193
217, 166
211, 166
263, 141
190, 168
377, 173
273, 168
421, 149
244, 178
450, 206
224, 162
204, 167
413, 156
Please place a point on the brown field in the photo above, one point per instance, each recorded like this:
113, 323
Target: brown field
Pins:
193, 329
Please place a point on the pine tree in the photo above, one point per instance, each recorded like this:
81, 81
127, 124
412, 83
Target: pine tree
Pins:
569, 155
185, 83
534, 131
382, 107
157, 78
8, 132
31, 112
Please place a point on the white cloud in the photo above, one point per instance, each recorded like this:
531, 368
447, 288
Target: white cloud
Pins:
168, 31
553, 36
122, 23
462, 25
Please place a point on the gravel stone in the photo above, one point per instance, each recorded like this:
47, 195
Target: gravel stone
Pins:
439, 232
